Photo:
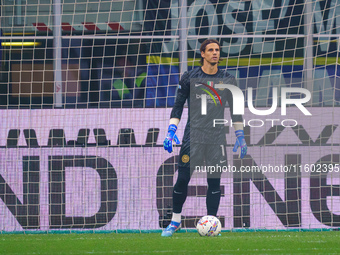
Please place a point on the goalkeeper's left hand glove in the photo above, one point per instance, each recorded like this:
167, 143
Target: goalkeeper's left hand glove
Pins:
171, 136
240, 142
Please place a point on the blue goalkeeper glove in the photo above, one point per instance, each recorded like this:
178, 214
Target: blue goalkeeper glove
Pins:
240, 142
171, 136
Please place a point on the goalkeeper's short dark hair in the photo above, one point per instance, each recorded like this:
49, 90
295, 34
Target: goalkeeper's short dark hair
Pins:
204, 45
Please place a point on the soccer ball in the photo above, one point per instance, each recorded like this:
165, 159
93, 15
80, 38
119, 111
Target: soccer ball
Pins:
208, 226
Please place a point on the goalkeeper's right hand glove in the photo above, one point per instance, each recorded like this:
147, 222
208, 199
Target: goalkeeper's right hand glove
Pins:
171, 136
240, 142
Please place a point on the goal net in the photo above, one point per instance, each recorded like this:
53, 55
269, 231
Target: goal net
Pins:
86, 93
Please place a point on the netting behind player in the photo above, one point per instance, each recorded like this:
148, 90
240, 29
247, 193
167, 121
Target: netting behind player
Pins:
85, 96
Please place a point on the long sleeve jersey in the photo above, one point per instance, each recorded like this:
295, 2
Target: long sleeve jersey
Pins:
199, 127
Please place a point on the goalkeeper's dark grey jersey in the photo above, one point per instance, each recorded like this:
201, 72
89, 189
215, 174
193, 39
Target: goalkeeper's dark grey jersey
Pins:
199, 128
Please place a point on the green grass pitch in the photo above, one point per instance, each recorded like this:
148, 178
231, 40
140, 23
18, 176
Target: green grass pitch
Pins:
181, 243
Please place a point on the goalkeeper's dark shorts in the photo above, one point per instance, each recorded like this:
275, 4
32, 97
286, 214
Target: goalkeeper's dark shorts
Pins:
194, 155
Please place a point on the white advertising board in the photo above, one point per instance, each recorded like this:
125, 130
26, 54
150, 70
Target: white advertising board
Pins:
123, 187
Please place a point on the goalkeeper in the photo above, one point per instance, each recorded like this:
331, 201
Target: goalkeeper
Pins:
202, 142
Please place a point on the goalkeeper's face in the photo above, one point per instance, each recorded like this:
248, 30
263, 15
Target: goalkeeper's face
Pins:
211, 54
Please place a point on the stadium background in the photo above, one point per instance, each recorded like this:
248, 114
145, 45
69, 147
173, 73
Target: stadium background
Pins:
120, 62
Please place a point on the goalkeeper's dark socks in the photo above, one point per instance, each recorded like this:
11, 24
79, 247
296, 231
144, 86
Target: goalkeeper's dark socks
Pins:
179, 194
213, 201
179, 198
